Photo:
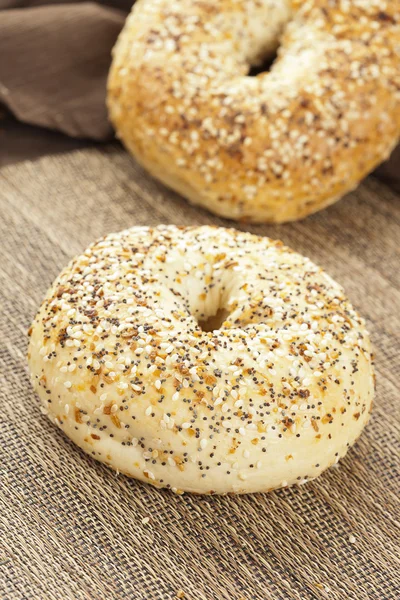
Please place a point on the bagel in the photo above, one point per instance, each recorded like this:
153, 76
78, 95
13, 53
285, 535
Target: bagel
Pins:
202, 359
271, 148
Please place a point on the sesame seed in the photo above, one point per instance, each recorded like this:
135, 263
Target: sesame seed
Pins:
352, 539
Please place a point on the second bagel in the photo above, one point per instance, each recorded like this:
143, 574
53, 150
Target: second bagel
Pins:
275, 147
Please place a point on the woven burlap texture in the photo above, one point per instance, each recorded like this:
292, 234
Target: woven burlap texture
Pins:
72, 529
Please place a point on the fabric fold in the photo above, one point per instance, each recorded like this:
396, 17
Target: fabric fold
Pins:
54, 65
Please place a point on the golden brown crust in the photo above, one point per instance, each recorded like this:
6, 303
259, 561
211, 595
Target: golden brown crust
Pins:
275, 147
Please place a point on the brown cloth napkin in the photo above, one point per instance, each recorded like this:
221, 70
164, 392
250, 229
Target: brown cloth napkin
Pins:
54, 59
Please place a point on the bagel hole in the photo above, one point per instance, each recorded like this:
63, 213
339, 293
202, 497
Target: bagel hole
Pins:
263, 66
213, 322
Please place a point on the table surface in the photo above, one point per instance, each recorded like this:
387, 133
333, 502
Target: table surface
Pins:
69, 527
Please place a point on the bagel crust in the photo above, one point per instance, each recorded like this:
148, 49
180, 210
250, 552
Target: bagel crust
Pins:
127, 362
271, 148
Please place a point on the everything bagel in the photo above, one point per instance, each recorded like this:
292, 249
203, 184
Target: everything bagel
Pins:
275, 147
202, 359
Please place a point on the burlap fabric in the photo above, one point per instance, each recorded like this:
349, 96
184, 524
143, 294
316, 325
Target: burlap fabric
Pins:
72, 529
